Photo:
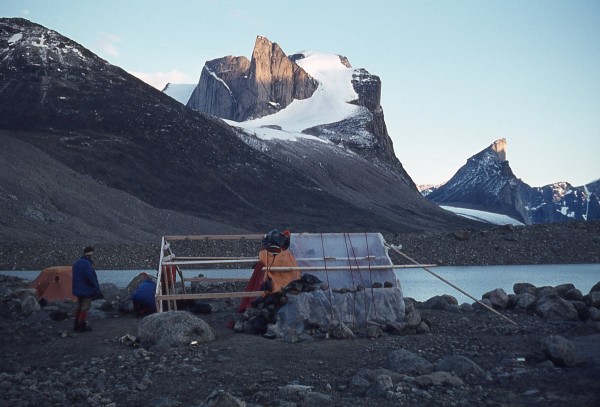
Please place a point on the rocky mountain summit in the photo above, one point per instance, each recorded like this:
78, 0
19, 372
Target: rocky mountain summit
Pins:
486, 182
239, 89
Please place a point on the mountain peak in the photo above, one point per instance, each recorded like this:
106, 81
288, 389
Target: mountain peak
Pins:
499, 147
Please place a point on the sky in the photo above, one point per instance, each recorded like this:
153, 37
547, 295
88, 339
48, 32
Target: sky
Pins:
456, 75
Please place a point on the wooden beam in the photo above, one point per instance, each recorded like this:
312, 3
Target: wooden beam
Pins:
214, 237
215, 280
238, 294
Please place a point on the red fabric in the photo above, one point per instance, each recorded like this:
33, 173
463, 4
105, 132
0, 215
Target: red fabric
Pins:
255, 284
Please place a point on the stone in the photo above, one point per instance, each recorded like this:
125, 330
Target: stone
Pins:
403, 361
173, 329
498, 298
556, 308
409, 305
466, 307
222, 398
563, 288
593, 299
526, 300
573, 295
559, 350
520, 288
438, 379
423, 328
29, 305
543, 291
380, 387
595, 287
459, 365
594, 314
413, 319
341, 331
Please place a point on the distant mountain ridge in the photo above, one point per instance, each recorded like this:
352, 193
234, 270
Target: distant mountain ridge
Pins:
141, 152
486, 182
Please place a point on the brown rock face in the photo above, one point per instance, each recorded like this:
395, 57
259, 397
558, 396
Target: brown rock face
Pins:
237, 89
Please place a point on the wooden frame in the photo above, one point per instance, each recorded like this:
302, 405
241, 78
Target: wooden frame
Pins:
166, 296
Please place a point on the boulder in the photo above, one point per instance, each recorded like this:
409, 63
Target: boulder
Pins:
498, 298
543, 291
520, 288
593, 299
413, 319
594, 314
403, 361
563, 288
556, 308
438, 379
559, 350
29, 305
526, 300
460, 365
573, 295
173, 329
380, 387
596, 287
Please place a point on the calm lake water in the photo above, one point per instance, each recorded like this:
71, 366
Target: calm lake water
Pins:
417, 283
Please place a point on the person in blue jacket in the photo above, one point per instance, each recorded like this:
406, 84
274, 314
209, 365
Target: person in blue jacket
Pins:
85, 288
143, 298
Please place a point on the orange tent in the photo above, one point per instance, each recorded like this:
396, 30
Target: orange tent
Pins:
54, 284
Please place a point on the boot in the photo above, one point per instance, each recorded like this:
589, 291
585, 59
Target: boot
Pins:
83, 325
76, 325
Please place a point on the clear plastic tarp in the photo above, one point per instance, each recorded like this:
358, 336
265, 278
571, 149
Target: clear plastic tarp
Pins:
344, 260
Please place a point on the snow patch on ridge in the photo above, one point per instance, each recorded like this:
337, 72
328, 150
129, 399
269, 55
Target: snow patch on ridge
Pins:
489, 217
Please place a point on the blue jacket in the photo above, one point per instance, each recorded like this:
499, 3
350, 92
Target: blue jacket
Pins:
85, 280
144, 294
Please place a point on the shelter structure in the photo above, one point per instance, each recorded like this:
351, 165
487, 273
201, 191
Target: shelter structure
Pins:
341, 260
54, 284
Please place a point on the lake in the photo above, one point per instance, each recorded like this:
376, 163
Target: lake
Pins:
417, 283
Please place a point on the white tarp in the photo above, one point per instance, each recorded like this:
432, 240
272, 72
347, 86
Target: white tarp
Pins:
356, 253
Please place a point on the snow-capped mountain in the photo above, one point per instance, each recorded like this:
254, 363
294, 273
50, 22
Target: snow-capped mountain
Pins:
106, 143
486, 182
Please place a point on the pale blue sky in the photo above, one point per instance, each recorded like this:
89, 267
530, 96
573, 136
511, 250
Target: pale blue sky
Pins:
456, 75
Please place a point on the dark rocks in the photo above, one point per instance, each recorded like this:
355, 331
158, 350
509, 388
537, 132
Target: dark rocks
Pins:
554, 307
559, 350
460, 365
403, 361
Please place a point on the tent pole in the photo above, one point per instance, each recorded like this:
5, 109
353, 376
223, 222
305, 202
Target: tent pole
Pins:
451, 285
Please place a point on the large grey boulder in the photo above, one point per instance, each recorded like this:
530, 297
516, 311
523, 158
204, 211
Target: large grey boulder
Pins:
559, 350
403, 361
438, 379
173, 329
556, 308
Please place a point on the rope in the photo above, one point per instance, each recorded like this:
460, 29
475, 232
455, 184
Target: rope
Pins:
352, 276
365, 294
327, 278
371, 276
